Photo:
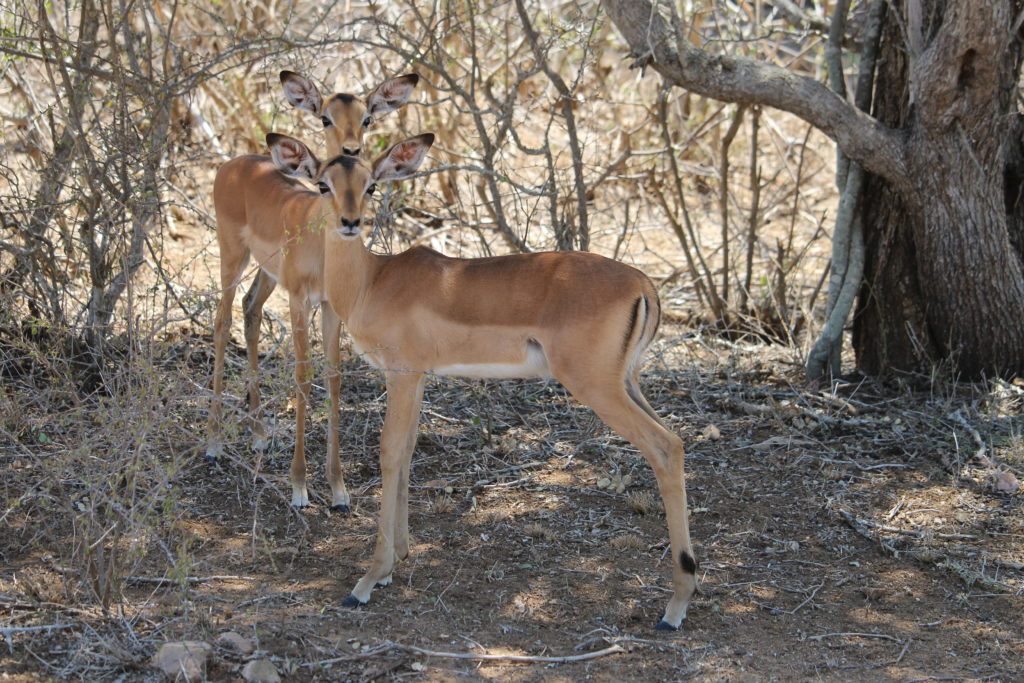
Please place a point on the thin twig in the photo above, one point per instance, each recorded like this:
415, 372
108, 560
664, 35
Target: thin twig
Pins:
852, 520
163, 580
855, 635
388, 646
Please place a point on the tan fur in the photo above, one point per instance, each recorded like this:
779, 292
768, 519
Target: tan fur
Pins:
262, 212
414, 313
346, 112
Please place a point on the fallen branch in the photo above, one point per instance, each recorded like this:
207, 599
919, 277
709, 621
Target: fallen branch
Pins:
164, 581
855, 635
613, 649
980, 454
388, 646
11, 630
867, 523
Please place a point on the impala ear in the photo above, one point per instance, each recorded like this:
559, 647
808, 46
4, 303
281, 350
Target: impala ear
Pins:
301, 92
292, 156
402, 159
391, 94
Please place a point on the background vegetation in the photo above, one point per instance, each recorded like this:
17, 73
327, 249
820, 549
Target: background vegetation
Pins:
115, 116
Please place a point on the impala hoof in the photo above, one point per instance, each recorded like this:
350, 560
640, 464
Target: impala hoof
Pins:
341, 507
213, 456
351, 601
665, 626
300, 498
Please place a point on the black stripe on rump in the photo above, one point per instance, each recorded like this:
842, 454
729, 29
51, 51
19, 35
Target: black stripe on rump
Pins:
634, 315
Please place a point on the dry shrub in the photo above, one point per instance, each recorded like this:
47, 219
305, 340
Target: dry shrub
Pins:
628, 541
540, 532
99, 483
440, 504
644, 502
545, 139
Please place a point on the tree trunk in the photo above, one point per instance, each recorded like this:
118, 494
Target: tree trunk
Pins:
943, 280
944, 198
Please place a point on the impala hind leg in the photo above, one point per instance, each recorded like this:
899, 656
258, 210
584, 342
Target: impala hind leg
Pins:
252, 310
663, 451
405, 396
232, 262
331, 325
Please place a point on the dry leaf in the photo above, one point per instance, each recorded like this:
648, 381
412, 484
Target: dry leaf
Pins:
711, 432
1005, 481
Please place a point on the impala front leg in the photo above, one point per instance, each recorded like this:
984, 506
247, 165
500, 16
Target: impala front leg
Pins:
300, 335
340, 499
405, 395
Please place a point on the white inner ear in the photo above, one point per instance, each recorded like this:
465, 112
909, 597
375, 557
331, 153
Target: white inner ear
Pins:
302, 94
400, 163
292, 158
277, 154
389, 96
306, 167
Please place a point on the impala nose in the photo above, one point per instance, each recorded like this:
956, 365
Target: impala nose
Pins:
351, 150
350, 227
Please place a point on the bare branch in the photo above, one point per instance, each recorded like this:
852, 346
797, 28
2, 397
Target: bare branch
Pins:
749, 81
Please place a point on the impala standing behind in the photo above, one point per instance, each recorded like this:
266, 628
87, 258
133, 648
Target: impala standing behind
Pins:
293, 255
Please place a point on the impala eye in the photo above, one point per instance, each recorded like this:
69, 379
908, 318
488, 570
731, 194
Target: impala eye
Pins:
367, 122
372, 188
324, 187
326, 121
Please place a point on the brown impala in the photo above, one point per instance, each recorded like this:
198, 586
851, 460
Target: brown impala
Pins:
578, 317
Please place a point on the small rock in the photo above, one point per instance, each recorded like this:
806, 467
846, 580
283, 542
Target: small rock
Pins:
233, 641
1005, 481
711, 433
261, 671
186, 657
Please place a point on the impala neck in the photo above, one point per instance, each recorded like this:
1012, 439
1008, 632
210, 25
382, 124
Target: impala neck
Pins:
349, 268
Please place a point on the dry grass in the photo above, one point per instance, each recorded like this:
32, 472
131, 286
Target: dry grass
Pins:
116, 536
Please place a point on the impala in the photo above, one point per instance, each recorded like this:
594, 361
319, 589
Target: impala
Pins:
347, 117
578, 317
243, 190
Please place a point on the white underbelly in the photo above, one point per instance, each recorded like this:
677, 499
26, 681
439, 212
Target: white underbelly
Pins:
535, 365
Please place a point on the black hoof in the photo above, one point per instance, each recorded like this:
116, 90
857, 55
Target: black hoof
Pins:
351, 601
665, 626
342, 508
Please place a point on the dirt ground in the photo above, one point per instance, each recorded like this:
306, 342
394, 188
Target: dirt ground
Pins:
854, 536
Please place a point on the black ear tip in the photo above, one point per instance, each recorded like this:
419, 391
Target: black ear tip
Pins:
428, 139
285, 75
413, 78
273, 139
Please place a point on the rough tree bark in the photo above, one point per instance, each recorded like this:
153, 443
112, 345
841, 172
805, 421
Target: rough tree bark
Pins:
943, 279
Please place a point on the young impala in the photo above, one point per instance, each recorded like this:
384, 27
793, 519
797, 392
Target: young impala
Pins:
578, 317
293, 255
347, 117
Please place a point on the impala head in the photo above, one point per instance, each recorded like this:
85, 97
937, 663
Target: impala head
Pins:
347, 117
347, 182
